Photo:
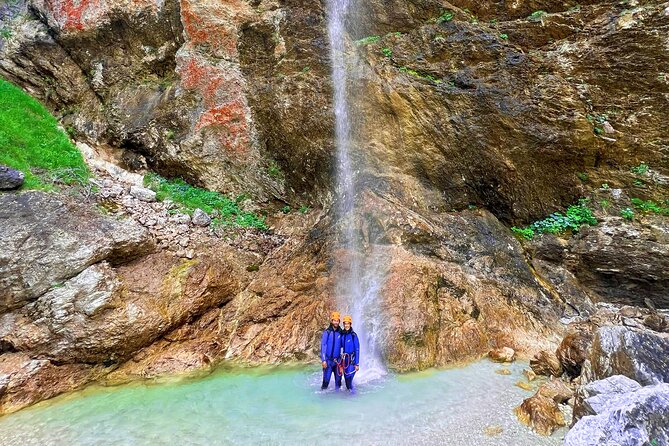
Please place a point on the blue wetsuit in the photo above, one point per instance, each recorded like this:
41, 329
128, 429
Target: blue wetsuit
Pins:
330, 353
351, 355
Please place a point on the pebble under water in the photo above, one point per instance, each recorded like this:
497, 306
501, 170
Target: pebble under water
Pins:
285, 406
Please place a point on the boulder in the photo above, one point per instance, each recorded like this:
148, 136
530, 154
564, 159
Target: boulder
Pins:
502, 354
592, 398
557, 390
200, 218
631, 418
573, 350
540, 413
640, 354
143, 194
46, 239
546, 363
10, 178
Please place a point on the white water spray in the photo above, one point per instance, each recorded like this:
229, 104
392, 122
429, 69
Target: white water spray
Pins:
359, 285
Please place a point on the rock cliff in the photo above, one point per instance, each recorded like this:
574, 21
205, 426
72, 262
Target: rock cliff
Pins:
473, 116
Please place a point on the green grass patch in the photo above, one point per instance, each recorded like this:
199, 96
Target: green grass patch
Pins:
31, 142
416, 74
190, 198
576, 216
367, 40
650, 207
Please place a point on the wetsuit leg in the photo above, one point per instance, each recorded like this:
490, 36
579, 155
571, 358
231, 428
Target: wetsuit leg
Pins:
349, 382
327, 372
337, 377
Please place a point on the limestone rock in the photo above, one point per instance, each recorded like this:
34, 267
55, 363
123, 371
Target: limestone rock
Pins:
10, 178
592, 398
143, 194
557, 390
573, 350
546, 363
639, 354
200, 218
631, 418
502, 354
540, 413
45, 241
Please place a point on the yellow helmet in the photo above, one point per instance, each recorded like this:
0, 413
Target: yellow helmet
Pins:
334, 315
348, 319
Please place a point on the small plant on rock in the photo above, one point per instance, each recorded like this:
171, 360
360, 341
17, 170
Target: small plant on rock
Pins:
641, 169
445, 16
387, 52
576, 216
537, 16
627, 214
504, 36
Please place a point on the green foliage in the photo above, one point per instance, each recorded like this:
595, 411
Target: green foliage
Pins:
576, 216
285, 209
504, 36
5, 33
418, 75
639, 183
304, 209
367, 40
583, 176
627, 214
169, 134
274, 170
306, 69
387, 52
536, 16
605, 204
649, 206
31, 142
641, 169
190, 198
605, 186
445, 16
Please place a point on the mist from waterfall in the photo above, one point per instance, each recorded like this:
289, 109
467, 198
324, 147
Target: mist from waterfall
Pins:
360, 281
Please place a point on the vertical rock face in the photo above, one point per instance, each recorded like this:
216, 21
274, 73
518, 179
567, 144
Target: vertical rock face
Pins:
500, 110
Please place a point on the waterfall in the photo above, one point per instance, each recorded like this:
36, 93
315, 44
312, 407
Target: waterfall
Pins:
358, 285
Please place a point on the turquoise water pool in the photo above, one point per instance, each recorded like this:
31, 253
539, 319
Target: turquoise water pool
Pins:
280, 406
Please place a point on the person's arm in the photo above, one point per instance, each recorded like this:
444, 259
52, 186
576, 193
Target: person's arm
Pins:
324, 347
356, 344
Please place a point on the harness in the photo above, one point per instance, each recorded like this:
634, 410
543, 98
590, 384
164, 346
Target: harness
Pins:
347, 358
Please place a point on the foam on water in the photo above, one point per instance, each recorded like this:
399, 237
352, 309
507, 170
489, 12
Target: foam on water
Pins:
285, 407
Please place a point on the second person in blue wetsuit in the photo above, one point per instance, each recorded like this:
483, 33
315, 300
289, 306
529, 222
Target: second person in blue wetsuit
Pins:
350, 359
331, 351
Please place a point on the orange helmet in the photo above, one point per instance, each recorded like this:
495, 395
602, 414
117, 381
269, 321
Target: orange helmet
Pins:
348, 319
334, 315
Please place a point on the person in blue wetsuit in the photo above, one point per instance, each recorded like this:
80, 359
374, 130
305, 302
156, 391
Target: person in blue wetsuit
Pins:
350, 358
331, 351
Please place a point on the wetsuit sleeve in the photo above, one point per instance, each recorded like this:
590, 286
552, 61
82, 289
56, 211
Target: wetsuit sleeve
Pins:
324, 345
356, 344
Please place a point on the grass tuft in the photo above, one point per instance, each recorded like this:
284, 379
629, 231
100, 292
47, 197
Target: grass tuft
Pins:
190, 198
30, 141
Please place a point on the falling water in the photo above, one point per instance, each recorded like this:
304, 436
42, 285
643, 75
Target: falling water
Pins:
360, 282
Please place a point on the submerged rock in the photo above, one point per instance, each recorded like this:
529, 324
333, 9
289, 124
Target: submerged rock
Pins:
10, 178
623, 416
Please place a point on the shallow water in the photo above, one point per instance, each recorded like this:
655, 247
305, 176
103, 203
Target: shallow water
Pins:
284, 406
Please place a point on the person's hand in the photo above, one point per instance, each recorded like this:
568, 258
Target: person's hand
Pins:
357, 368
325, 364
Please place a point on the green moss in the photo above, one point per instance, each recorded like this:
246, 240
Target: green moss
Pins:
190, 198
367, 40
31, 142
